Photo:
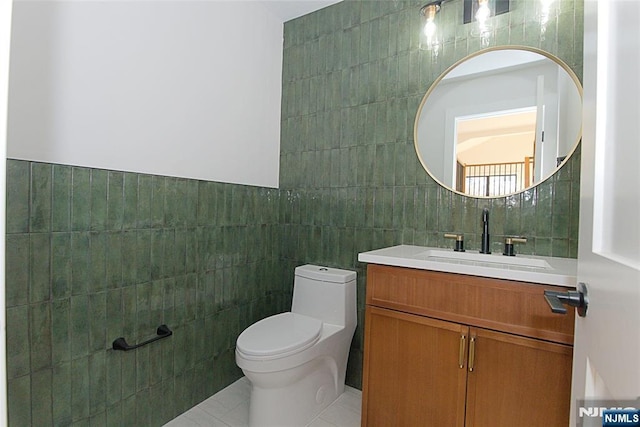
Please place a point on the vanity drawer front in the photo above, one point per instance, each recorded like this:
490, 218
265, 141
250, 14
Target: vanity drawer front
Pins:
502, 305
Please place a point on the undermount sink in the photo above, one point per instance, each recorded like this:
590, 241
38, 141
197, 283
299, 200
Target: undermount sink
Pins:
452, 256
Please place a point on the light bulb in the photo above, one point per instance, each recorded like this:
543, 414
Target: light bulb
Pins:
483, 12
430, 29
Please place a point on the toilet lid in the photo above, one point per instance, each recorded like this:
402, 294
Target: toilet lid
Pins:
282, 334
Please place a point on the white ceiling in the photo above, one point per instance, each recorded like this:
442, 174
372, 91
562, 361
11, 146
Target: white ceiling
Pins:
290, 9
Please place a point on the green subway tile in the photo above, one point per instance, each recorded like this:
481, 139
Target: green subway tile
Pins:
61, 202
81, 199
99, 191
98, 420
157, 253
543, 246
128, 360
155, 364
143, 256
41, 398
18, 195
114, 415
206, 202
171, 202
560, 226
97, 262
167, 361
559, 248
18, 343
79, 326
191, 203
129, 257
80, 397
97, 383
61, 267
40, 331
142, 369
80, 256
114, 326
183, 253
113, 274
19, 401
41, 191
129, 310
144, 201
97, 321
130, 201
156, 301
129, 409
512, 225
115, 201
156, 402
60, 331
40, 275
190, 337
142, 408
169, 301
206, 286
158, 194
236, 207
190, 297
179, 345
17, 269
113, 372
562, 196
61, 397
143, 298
84, 422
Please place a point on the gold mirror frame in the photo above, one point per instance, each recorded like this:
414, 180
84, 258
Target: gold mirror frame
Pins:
433, 86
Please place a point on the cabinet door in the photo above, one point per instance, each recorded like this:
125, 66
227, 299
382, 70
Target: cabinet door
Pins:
414, 370
516, 381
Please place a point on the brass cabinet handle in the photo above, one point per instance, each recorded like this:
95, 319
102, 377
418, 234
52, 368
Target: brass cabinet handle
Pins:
463, 345
472, 353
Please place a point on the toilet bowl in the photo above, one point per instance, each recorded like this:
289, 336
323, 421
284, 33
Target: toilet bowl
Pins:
296, 361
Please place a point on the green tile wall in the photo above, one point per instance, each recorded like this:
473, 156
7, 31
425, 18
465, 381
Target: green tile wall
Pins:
93, 255
350, 179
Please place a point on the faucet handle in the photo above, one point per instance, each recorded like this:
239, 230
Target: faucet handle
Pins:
508, 245
459, 241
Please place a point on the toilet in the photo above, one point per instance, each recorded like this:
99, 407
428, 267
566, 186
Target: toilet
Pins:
296, 361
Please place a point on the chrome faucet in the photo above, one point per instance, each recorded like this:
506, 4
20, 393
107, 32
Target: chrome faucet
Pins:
485, 245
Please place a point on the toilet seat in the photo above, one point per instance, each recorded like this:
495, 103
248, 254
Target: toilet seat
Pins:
278, 336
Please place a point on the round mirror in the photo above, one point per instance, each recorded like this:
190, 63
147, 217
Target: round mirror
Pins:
499, 121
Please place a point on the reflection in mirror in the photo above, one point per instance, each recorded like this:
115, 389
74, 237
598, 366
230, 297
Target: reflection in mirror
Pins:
499, 121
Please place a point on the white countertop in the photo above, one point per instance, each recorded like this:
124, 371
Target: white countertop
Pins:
524, 268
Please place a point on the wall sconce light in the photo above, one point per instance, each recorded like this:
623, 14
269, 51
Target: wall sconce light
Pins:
479, 12
429, 37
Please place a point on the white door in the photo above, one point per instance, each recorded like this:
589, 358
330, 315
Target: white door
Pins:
606, 361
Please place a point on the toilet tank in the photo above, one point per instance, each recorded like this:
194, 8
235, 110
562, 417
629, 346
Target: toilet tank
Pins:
328, 294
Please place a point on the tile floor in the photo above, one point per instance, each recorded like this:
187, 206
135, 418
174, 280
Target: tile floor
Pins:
230, 408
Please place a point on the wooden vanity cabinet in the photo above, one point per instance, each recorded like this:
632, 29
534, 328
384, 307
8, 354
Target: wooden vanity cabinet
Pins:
453, 350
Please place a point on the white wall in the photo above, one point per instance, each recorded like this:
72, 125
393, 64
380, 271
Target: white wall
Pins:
177, 88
